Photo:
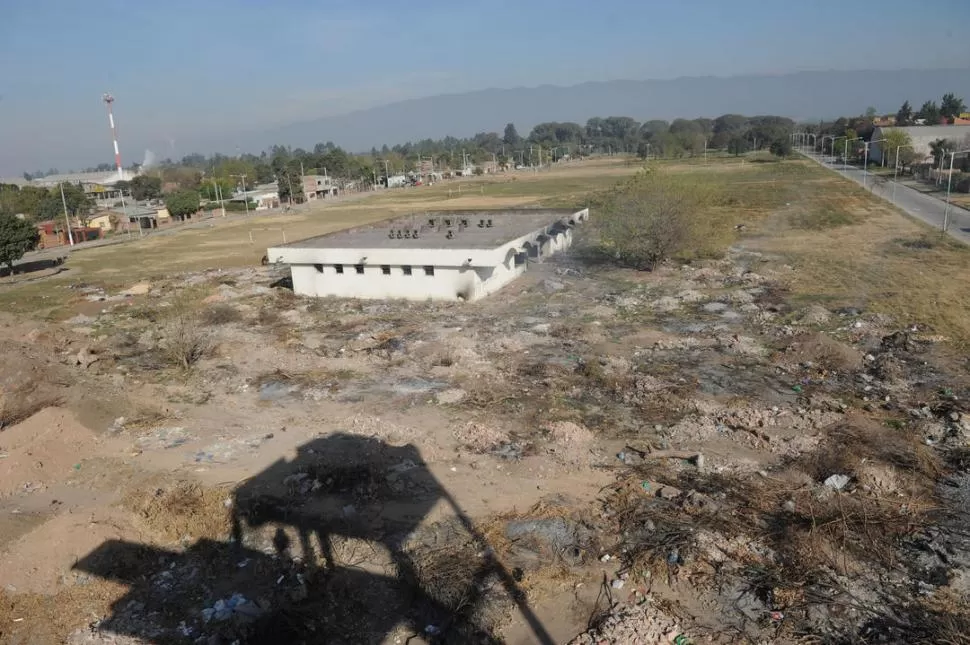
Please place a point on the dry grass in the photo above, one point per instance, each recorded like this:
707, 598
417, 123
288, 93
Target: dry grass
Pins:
878, 259
183, 510
219, 314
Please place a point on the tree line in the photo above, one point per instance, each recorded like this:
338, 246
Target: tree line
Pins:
546, 142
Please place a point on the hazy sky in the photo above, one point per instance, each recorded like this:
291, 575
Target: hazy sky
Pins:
182, 72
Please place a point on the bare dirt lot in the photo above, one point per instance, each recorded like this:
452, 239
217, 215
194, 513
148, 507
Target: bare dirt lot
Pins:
765, 444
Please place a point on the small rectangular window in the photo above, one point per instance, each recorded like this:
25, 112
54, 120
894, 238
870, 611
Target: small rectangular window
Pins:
406, 270
429, 270
318, 267
339, 268
359, 268
385, 269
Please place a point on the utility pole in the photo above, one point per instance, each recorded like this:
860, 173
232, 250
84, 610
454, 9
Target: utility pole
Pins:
302, 181
67, 220
242, 178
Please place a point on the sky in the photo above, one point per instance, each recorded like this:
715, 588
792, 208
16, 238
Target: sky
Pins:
183, 72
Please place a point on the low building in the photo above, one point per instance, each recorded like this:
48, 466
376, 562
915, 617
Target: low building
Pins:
318, 187
920, 135
262, 197
139, 216
53, 234
396, 181
461, 255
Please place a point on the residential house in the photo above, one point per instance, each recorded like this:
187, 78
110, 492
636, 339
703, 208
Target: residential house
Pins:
318, 186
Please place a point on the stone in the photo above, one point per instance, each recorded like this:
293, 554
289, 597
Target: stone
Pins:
668, 492
80, 319
140, 289
450, 396
85, 358
552, 285
715, 307
837, 482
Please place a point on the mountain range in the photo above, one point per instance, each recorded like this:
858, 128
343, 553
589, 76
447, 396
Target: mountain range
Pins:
802, 96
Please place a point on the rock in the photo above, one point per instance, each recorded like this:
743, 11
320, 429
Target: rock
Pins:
85, 358
450, 396
837, 482
552, 285
897, 340
715, 307
789, 506
542, 328
630, 458
140, 289
668, 492
80, 319
554, 534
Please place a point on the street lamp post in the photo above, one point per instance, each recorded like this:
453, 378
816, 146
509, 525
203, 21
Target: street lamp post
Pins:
865, 162
896, 169
845, 153
949, 183
827, 136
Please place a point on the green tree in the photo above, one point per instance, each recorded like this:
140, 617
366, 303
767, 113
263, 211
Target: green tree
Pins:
288, 179
182, 203
737, 145
146, 187
17, 237
511, 136
648, 221
896, 139
951, 106
780, 147
871, 113
78, 204
904, 116
929, 113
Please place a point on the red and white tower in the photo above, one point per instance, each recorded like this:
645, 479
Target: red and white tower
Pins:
108, 99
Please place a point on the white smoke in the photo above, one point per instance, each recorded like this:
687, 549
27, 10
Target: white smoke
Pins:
149, 160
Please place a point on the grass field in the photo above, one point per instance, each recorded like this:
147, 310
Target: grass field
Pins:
846, 246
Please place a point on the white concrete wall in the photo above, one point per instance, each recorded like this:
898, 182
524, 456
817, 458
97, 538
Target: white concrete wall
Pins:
459, 274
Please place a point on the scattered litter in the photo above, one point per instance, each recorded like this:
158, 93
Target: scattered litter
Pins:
618, 584
837, 482
236, 606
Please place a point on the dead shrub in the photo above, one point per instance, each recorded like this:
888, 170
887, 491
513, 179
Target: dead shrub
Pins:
268, 317
184, 343
219, 314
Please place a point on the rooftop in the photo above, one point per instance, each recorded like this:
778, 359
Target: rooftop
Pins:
433, 229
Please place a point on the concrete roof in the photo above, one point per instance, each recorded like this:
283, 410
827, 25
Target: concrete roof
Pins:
931, 131
134, 210
108, 177
506, 225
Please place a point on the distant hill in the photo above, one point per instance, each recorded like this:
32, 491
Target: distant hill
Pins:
802, 95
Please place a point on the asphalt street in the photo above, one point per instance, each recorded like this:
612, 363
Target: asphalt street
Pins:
919, 205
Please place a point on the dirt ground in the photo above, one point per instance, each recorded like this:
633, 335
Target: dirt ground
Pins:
749, 448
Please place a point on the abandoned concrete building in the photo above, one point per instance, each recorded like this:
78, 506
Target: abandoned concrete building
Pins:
459, 255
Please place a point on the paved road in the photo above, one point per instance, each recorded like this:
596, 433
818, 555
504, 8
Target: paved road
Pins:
919, 205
